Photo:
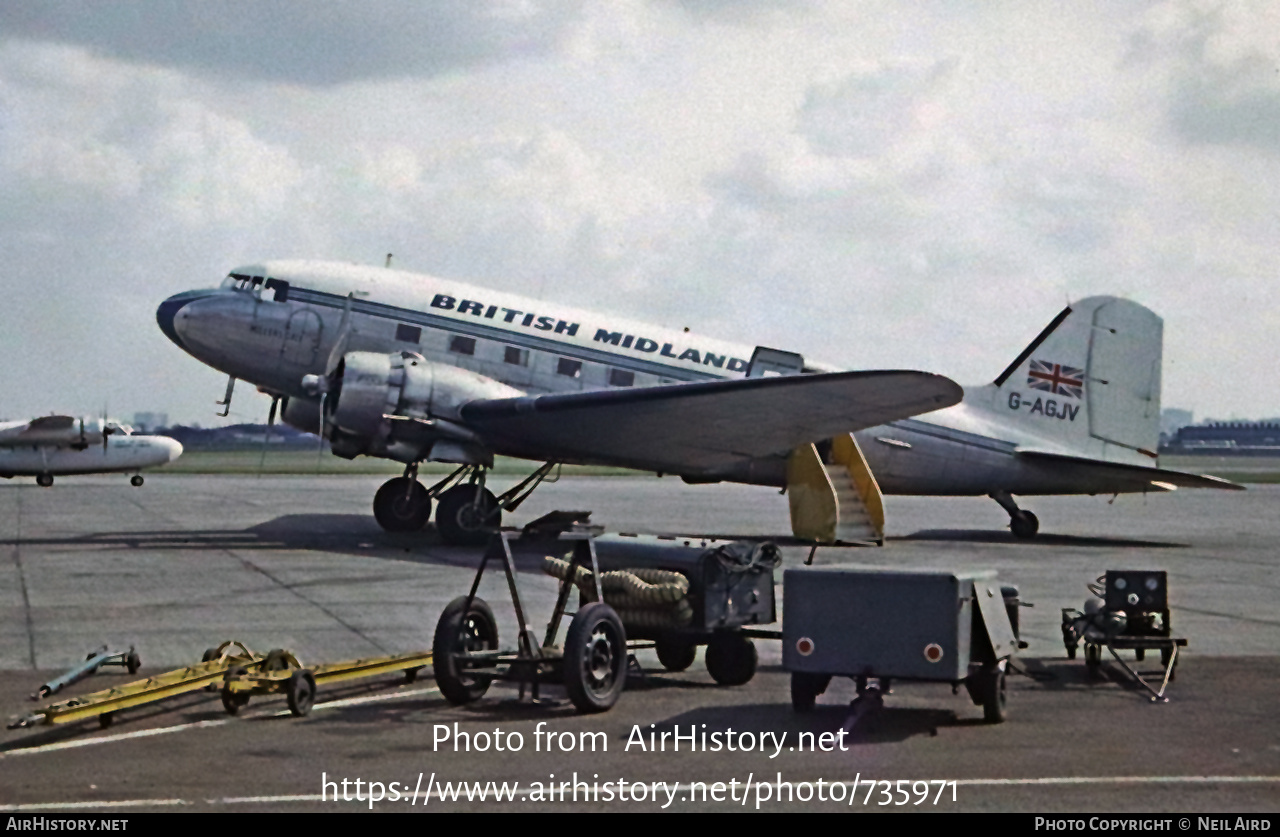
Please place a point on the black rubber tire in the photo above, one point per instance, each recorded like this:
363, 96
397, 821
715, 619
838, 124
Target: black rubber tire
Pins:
1024, 525
276, 660
595, 658
301, 692
1071, 652
396, 514
209, 654
136, 480
132, 663
994, 695
461, 522
805, 688
233, 702
44, 480
731, 658
474, 630
675, 654
106, 719
1139, 654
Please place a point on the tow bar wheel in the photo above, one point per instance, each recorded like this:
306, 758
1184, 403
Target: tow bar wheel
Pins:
595, 658
460, 631
301, 692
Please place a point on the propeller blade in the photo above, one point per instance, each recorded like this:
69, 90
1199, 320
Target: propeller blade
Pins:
344, 337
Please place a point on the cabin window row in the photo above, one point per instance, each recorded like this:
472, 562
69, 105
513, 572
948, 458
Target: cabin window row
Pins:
514, 355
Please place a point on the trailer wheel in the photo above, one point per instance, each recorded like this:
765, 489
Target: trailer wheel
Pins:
301, 692
595, 658
675, 654
994, 695
805, 688
233, 702
106, 719
731, 658
461, 633
132, 663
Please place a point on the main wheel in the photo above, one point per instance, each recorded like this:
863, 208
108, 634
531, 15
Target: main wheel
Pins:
301, 692
731, 658
675, 654
460, 632
136, 480
595, 658
805, 688
462, 521
1024, 525
44, 480
402, 505
994, 695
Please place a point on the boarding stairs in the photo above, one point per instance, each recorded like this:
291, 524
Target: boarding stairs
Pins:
834, 498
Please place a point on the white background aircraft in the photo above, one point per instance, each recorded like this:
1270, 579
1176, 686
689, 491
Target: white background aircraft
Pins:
51, 446
415, 368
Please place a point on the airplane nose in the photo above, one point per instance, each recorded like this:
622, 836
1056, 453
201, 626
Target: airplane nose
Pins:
169, 309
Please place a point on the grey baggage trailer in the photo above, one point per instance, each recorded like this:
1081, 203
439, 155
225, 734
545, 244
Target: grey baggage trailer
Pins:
731, 593
889, 624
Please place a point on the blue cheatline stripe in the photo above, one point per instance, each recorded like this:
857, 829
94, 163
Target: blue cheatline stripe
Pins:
435, 321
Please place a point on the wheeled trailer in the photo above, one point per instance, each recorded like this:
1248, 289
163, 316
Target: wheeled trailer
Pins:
129, 660
1130, 612
591, 664
730, 594
879, 625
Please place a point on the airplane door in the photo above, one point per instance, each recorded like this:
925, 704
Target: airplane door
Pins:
766, 362
301, 347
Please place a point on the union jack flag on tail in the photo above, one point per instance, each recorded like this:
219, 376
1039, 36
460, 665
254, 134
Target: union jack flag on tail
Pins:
1056, 378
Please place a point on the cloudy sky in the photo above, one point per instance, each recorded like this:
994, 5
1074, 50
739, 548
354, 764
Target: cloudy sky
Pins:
874, 184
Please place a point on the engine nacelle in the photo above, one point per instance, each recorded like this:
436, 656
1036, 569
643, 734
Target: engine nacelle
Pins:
399, 405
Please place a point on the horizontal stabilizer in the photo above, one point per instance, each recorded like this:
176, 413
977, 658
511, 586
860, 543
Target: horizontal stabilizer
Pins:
703, 427
1139, 475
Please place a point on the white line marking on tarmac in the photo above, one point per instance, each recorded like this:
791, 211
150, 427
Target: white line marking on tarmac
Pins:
143, 733
315, 797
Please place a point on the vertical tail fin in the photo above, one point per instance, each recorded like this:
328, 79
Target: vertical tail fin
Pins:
1090, 381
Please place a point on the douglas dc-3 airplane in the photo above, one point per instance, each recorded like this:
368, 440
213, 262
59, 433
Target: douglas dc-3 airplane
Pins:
415, 368
53, 445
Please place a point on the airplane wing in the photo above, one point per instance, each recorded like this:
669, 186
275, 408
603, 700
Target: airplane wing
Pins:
1142, 478
702, 427
42, 431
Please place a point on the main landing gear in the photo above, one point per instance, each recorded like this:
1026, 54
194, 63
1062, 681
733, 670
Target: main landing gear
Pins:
1022, 523
466, 511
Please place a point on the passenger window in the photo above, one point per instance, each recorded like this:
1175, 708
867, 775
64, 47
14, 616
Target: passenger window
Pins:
463, 345
569, 368
621, 378
516, 356
409, 334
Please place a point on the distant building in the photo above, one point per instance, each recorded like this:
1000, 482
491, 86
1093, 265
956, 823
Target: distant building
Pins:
1172, 420
1232, 438
147, 422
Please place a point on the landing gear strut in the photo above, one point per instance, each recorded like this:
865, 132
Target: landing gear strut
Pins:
1022, 523
466, 511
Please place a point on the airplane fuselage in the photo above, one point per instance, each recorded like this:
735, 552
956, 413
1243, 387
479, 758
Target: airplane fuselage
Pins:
122, 454
273, 323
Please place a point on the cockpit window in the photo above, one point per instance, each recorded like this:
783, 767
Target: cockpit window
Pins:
255, 285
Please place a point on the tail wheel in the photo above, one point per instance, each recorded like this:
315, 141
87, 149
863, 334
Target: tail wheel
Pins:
462, 630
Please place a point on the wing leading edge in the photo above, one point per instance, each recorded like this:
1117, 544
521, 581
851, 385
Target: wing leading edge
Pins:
704, 427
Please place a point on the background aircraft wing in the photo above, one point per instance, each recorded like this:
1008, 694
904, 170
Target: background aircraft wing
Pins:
702, 427
1141, 477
